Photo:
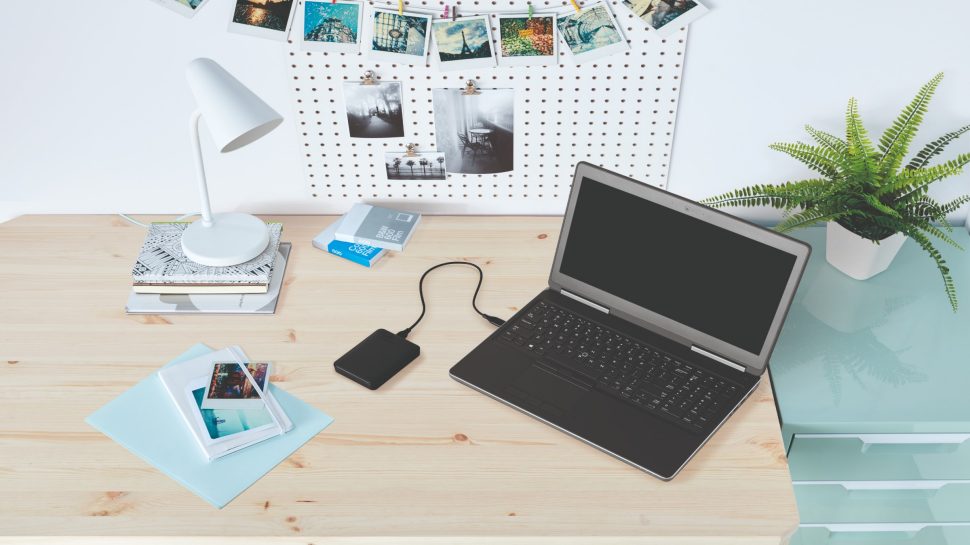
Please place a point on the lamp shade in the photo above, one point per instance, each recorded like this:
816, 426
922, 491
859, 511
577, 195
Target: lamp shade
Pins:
234, 114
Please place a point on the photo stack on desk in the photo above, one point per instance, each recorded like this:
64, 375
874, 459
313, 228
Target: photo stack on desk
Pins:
165, 281
366, 233
225, 401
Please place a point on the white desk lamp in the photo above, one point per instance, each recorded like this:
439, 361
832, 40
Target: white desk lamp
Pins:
235, 117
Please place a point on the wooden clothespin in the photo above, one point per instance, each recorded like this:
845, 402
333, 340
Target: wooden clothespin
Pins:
368, 78
470, 88
530, 11
454, 13
445, 14
400, 7
410, 150
575, 5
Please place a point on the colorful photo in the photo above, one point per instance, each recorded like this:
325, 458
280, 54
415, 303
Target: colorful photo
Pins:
666, 16
463, 43
475, 132
331, 26
527, 40
374, 110
230, 386
402, 38
419, 166
220, 423
262, 18
591, 33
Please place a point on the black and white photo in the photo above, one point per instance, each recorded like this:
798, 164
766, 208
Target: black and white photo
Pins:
475, 132
417, 166
374, 110
262, 18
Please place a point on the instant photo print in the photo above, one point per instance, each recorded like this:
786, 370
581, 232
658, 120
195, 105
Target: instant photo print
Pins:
262, 18
666, 16
233, 385
591, 33
374, 110
525, 40
187, 8
426, 165
402, 38
325, 25
463, 43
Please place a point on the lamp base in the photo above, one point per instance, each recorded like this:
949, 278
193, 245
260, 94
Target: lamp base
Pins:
232, 239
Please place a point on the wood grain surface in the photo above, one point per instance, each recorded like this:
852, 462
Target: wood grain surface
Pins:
422, 460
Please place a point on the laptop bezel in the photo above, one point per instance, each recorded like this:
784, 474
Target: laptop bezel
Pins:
754, 363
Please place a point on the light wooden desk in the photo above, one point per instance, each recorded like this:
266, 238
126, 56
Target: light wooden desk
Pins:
423, 458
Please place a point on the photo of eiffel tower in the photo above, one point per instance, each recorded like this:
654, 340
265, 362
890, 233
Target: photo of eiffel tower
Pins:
461, 40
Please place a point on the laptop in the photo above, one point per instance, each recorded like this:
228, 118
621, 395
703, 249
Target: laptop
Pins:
658, 322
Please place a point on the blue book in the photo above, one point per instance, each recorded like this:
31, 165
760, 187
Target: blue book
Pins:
145, 421
351, 251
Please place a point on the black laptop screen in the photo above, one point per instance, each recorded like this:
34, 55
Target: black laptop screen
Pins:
705, 277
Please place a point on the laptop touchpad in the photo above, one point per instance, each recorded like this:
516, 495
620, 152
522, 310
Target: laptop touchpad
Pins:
543, 389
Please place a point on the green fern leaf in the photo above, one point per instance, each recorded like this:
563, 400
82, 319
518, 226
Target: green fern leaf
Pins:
895, 141
934, 148
820, 159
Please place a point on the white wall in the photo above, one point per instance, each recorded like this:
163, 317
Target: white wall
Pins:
94, 111
758, 70
94, 105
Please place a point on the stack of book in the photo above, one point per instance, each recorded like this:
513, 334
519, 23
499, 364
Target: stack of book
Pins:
164, 280
366, 233
225, 401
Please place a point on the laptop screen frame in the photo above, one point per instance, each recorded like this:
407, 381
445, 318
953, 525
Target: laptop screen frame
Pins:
754, 363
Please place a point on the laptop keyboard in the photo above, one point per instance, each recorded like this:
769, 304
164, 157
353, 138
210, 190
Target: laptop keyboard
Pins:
624, 367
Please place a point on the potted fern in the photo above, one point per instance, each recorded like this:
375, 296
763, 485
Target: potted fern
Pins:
870, 201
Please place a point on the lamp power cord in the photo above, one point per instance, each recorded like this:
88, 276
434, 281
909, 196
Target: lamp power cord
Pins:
494, 320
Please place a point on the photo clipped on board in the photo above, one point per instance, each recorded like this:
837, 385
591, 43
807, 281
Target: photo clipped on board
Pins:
425, 165
374, 110
326, 25
262, 18
591, 33
475, 132
525, 40
397, 37
666, 16
463, 43
187, 8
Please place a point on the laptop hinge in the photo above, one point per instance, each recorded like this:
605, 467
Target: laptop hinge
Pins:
717, 358
587, 302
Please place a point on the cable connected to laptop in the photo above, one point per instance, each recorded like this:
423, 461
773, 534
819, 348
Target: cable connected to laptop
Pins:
494, 320
382, 354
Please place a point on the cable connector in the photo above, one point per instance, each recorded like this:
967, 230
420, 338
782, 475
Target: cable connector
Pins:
494, 320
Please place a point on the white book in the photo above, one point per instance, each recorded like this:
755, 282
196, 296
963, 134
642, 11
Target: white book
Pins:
222, 431
377, 226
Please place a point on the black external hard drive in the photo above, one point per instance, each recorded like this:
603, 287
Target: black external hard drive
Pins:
377, 358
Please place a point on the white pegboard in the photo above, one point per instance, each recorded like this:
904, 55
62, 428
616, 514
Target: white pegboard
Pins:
617, 111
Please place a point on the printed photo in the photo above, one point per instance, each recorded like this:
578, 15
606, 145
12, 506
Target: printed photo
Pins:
463, 43
524, 40
401, 38
187, 8
475, 132
233, 387
420, 166
374, 111
262, 18
591, 33
330, 26
222, 423
666, 16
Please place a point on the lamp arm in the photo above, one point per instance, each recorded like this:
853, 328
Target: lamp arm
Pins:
200, 168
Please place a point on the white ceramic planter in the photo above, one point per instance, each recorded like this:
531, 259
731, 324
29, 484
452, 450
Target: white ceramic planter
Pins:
859, 257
